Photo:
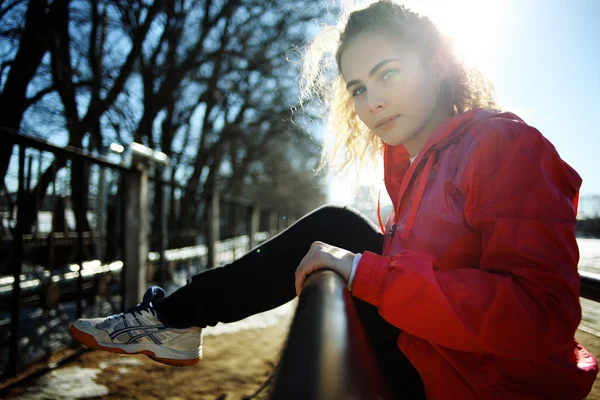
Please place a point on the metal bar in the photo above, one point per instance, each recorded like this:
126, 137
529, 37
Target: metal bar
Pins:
327, 355
52, 227
16, 264
101, 214
39, 196
67, 151
121, 206
159, 193
29, 166
590, 285
226, 198
79, 215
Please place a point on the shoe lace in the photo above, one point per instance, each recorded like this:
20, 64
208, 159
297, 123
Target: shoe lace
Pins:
143, 306
153, 293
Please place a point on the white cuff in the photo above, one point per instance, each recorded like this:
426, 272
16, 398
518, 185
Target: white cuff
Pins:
355, 262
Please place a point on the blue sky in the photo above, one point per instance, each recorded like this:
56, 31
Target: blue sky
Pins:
544, 59
547, 64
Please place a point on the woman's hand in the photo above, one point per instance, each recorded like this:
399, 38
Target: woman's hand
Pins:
324, 256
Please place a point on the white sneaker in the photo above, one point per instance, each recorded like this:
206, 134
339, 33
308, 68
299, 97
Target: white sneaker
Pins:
138, 331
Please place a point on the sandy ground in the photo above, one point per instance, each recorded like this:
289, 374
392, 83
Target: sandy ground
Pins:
235, 366
238, 363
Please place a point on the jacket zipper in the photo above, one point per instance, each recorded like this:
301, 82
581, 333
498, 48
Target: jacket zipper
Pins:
412, 179
437, 151
392, 230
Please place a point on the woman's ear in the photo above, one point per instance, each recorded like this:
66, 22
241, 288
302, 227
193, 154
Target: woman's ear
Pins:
438, 65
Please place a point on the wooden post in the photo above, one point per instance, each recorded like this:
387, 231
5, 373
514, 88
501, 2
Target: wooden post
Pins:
213, 231
135, 234
282, 222
291, 219
100, 247
254, 224
159, 191
241, 218
273, 223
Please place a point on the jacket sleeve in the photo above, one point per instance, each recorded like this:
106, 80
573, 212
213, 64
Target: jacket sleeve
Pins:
523, 300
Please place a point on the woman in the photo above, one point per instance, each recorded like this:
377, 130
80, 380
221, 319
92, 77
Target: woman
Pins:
475, 278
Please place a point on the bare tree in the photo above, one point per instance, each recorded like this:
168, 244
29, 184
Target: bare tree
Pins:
27, 28
205, 81
217, 89
103, 88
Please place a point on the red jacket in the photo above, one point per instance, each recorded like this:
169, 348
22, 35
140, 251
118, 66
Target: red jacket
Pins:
479, 268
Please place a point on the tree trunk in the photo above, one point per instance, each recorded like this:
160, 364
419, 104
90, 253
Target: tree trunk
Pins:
32, 47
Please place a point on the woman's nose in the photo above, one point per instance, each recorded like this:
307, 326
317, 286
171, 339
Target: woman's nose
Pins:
375, 102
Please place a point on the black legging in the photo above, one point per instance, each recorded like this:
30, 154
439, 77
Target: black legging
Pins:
264, 279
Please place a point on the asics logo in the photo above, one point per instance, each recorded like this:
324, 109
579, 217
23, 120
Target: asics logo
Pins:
147, 331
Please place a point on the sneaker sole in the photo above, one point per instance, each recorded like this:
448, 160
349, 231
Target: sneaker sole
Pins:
90, 341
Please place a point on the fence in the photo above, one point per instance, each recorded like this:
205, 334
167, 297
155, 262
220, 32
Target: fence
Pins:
50, 272
75, 241
226, 228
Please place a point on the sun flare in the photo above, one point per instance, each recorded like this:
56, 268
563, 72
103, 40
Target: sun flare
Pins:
475, 25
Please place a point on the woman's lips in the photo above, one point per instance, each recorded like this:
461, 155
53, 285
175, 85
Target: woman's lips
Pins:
386, 122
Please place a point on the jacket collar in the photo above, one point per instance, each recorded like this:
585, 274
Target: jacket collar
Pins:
396, 159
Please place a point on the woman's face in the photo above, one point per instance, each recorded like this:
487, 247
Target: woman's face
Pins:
394, 94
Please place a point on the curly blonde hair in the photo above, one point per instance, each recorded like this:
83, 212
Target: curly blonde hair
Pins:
463, 89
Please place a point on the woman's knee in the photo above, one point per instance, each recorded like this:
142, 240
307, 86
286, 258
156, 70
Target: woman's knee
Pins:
336, 211
342, 223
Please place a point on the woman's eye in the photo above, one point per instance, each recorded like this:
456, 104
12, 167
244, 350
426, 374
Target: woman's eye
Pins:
388, 74
358, 91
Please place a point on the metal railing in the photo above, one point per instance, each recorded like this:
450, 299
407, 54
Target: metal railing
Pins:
590, 286
327, 355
